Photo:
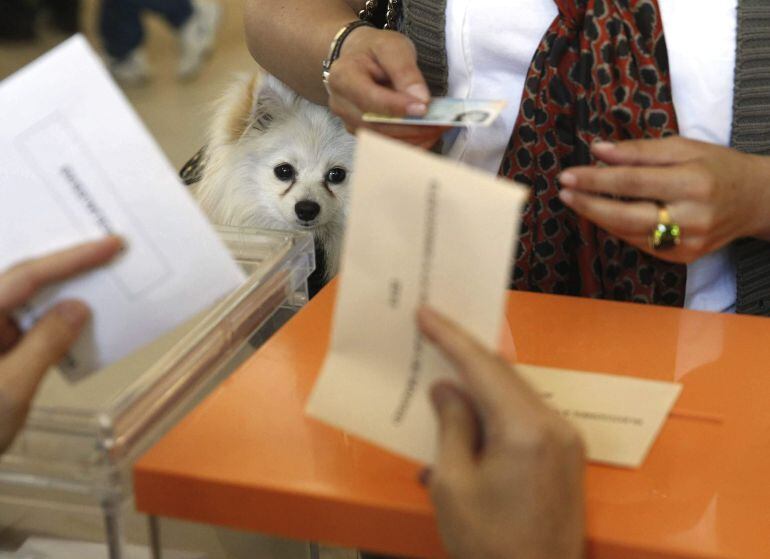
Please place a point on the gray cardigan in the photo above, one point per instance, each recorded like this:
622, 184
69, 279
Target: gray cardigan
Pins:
424, 22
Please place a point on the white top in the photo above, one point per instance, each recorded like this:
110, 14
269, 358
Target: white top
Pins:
490, 44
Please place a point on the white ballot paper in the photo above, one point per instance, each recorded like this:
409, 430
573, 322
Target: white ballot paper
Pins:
421, 230
427, 230
76, 164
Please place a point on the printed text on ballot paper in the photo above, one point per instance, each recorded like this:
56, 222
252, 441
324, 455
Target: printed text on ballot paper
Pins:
426, 266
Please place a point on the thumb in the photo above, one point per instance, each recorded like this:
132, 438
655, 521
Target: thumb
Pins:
44, 346
458, 428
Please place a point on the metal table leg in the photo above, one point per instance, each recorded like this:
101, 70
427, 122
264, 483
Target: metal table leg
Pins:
156, 549
112, 527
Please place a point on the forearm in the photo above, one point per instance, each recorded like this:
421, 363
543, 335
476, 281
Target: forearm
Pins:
290, 38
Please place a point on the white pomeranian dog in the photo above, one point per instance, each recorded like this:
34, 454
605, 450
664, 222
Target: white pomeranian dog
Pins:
274, 160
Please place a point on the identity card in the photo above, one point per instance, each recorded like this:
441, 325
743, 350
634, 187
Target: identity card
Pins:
443, 111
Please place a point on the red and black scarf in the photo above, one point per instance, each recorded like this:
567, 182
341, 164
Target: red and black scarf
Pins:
600, 73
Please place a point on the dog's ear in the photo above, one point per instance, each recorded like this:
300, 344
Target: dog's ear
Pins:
270, 99
234, 114
250, 103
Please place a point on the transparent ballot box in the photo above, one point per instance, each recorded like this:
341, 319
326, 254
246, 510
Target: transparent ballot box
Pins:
73, 458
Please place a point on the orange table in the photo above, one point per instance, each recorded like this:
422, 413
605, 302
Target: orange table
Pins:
248, 458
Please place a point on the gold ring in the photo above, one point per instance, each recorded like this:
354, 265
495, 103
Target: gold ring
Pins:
666, 234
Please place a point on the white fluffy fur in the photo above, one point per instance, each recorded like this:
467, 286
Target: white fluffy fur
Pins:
260, 124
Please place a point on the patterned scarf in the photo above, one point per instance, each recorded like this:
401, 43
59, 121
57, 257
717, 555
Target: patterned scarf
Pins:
600, 72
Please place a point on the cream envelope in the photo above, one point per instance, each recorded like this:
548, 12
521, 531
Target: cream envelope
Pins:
618, 417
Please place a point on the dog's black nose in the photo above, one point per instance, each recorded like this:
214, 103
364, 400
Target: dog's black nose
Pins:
306, 210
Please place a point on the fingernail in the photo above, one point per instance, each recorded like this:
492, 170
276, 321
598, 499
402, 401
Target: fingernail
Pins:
121, 241
416, 109
424, 476
567, 179
425, 313
567, 196
426, 322
601, 145
74, 313
419, 91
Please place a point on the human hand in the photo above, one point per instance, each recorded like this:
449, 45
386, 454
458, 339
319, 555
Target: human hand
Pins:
377, 72
715, 194
24, 358
508, 479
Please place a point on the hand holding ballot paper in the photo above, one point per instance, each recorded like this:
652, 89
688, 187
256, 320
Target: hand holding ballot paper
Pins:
77, 165
522, 469
24, 359
430, 232
506, 445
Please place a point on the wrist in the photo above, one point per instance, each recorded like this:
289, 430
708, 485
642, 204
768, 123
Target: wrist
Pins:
359, 39
335, 47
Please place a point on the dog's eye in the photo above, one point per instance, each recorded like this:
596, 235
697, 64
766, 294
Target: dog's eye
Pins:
285, 172
336, 175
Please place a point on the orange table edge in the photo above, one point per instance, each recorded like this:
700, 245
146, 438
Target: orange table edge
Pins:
248, 458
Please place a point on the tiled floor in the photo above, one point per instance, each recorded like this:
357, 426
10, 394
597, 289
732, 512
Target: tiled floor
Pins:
176, 114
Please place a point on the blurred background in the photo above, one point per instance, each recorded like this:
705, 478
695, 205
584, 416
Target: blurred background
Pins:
176, 112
